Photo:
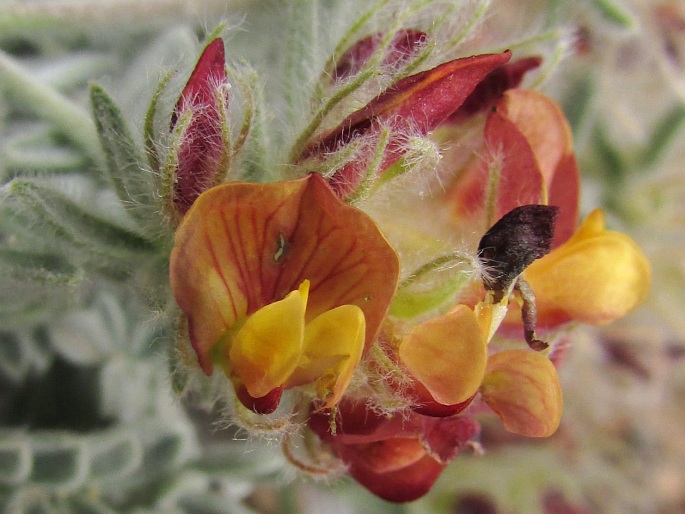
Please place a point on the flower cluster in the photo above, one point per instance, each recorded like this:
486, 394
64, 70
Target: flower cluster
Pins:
382, 320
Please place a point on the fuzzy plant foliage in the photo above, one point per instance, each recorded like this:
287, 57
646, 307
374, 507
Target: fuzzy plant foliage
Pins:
368, 174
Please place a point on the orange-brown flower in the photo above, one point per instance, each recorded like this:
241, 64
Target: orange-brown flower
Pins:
282, 285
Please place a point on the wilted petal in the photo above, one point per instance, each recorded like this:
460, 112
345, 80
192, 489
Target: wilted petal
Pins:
597, 276
268, 347
333, 346
447, 355
201, 149
518, 238
523, 388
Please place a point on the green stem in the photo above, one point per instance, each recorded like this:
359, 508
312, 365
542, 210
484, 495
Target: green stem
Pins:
372, 170
50, 105
436, 264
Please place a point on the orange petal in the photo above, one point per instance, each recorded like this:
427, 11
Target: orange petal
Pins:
341, 251
397, 470
223, 264
544, 126
523, 388
243, 246
597, 276
447, 355
507, 177
528, 159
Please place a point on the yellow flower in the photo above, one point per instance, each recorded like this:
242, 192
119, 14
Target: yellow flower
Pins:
596, 276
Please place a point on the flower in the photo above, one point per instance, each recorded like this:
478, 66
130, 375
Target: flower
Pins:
596, 276
287, 285
282, 285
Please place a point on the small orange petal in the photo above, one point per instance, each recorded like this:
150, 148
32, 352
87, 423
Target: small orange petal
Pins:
447, 355
523, 388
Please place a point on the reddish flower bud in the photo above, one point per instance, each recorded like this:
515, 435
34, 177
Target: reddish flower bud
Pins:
413, 106
201, 149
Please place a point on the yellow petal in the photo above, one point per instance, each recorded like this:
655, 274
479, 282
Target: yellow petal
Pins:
333, 346
523, 388
490, 315
447, 355
266, 350
597, 276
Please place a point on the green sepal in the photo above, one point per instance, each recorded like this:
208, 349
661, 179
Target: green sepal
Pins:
149, 125
409, 304
132, 183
